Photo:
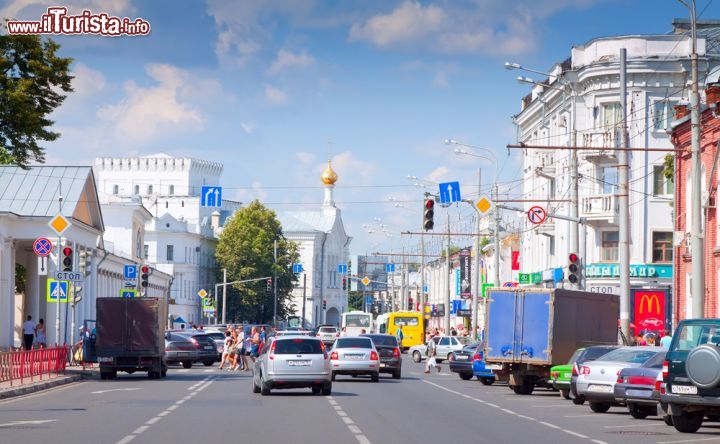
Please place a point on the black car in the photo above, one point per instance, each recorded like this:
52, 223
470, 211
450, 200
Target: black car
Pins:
390, 359
588, 354
206, 348
461, 362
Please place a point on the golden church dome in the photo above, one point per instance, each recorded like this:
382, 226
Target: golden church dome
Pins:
329, 177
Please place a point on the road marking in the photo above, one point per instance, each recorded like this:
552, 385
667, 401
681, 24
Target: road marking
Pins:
354, 429
126, 439
633, 426
171, 408
570, 432
347, 420
593, 415
140, 429
152, 421
185, 370
34, 421
165, 413
597, 441
689, 440
337, 407
552, 426
362, 439
341, 413
553, 406
212, 370
115, 390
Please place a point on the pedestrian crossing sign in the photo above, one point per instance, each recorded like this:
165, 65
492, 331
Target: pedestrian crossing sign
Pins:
57, 290
128, 293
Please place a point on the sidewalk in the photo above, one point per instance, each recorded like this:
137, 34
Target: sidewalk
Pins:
72, 374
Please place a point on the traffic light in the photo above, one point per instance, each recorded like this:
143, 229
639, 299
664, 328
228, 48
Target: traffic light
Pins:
573, 268
429, 214
144, 275
67, 259
269, 284
344, 283
324, 304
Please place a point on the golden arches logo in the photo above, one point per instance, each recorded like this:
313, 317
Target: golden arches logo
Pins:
647, 301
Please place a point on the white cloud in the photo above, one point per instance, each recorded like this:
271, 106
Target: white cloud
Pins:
145, 112
248, 127
19, 8
440, 80
304, 157
351, 170
438, 174
275, 96
285, 59
407, 23
87, 81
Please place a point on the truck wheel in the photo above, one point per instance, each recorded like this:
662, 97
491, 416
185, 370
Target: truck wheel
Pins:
599, 407
638, 411
465, 376
187, 364
565, 393
688, 422
416, 356
486, 381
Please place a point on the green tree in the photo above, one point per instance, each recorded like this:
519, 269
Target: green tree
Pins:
32, 84
245, 249
355, 300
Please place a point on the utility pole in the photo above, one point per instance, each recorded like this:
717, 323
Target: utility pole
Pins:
275, 283
698, 237
421, 297
476, 267
403, 282
497, 241
623, 202
447, 276
574, 200
303, 304
224, 295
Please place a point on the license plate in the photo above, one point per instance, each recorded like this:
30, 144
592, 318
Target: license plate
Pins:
567, 375
299, 363
493, 366
354, 357
683, 389
209, 347
635, 393
461, 358
382, 365
600, 388
101, 359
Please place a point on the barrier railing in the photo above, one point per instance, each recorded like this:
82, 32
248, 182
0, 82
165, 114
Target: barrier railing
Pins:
19, 366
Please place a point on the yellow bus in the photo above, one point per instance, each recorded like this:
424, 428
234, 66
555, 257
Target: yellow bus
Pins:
412, 326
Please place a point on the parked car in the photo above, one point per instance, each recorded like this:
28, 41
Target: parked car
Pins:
328, 334
482, 371
462, 364
446, 347
692, 375
292, 362
561, 375
219, 338
207, 352
355, 356
635, 386
389, 351
179, 349
597, 379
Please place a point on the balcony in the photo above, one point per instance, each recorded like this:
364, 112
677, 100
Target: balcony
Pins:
605, 142
599, 207
545, 164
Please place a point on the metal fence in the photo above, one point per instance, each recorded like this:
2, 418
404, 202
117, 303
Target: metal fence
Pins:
17, 367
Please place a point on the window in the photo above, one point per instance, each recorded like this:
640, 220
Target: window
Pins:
116, 189
662, 246
612, 115
171, 190
136, 189
609, 180
170, 253
551, 188
661, 184
610, 241
551, 245
444, 341
663, 114
150, 189
146, 250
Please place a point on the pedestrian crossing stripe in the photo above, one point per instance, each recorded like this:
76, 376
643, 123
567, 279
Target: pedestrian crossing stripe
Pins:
57, 290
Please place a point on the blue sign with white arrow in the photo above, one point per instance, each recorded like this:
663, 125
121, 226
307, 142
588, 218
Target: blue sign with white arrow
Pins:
389, 268
130, 271
211, 197
342, 268
368, 300
450, 192
297, 268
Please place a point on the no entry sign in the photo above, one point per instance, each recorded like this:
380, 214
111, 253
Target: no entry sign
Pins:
537, 215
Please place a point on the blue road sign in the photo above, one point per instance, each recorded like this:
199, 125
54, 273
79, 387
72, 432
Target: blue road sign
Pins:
211, 197
342, 268
425, 288
42, 246
368, 300
450, 192
558, 274
57, 291
297, 268
390, 268
130, 271
128, 293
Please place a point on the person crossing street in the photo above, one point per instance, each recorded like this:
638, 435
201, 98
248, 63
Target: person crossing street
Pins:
431, 353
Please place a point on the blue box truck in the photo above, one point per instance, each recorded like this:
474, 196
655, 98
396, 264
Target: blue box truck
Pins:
529, 331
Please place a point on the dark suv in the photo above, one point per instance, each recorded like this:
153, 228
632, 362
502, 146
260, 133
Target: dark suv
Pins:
692, 374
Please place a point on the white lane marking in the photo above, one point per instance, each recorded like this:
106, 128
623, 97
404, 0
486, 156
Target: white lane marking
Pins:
152, 421
633, 426
171, 408
570, 432
553, 406
552, 426
597, 441
34, 421
140, 429
690, 440
355, 429
184, 370
362, 439
165, 413
129, 389
126, 440
332, 402
509, 411
337, 407
347, 420
592, 415
212, 370
341, 413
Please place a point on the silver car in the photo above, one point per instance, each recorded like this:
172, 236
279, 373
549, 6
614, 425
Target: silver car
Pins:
292, 362
355, 356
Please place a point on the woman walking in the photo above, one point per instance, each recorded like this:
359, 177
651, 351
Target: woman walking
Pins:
40, 337
227, 349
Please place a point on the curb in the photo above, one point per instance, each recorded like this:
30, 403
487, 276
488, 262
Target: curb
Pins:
36, 387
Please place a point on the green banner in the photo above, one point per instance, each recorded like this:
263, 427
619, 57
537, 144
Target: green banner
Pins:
524, 278
536, 278
485, 287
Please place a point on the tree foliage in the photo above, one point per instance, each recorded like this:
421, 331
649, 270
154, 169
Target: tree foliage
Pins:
245, 250
32, 84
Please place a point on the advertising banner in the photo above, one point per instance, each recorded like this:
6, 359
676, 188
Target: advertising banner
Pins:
650, 310
465, 274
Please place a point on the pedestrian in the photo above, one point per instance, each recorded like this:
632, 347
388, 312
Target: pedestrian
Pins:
247, 350
255, 339
399, 336
200, 328
40, 334
431, 352
240, 351
227, 348
666, 339
28, 333
453, 332
639, 340
651, 341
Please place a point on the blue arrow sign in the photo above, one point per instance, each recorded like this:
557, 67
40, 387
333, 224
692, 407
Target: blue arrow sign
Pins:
342, 268
368, 300
130, 271
450, 192
297, 268
211, 197
389, 268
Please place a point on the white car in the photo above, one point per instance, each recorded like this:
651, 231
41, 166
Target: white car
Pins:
355, 356
328, 334
596, 379
446, 348
292, 362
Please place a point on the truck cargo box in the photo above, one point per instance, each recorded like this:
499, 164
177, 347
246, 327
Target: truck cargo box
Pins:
130, 327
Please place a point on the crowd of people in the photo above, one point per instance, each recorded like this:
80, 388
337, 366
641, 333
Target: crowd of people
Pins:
240, 351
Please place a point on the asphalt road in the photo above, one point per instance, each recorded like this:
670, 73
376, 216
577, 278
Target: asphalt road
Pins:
207, 405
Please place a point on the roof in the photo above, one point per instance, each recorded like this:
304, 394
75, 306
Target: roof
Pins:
34, 192
306, 221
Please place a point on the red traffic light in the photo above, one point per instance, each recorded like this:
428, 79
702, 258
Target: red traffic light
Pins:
573, 257
344, 279
429, 204
144, 269
67, 251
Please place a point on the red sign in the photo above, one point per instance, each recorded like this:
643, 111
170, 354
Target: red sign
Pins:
536, 215
649, 310
515, 260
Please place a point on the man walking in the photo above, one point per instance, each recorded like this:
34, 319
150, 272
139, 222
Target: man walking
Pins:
399, 336
666, 339
431, 352
28, 333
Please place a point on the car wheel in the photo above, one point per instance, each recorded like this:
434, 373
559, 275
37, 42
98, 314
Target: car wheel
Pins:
687, 422
487, 381
668, 420
565, 393
163, 373
638, 411
465, 376
397, 374
208, 363
375, 377
187, 364
416, 356
599, 407
264, 388
256, 389
316, 389
327, 389
579, 400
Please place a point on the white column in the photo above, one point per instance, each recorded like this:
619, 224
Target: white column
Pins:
7, 292
32, 287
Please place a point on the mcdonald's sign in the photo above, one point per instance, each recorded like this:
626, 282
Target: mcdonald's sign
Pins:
649, 310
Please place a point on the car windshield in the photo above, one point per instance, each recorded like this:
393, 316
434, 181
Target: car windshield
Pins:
357, 320
594, 353
217, 335
298, 347
464, 340
629, 355
406, 320
389, 341
328, 329
656, 361
575, 356
353, 343
690, 336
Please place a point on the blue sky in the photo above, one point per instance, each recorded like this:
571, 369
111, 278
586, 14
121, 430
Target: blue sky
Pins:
261, 86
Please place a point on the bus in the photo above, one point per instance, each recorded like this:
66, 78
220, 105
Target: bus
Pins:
354, 322
412, 326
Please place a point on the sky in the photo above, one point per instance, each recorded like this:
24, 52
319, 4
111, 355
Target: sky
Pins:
274, 88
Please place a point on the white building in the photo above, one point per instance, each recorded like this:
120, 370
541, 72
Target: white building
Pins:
583, 92
323, 245
180, 234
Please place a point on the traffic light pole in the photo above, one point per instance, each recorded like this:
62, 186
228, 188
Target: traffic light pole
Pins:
274, 284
